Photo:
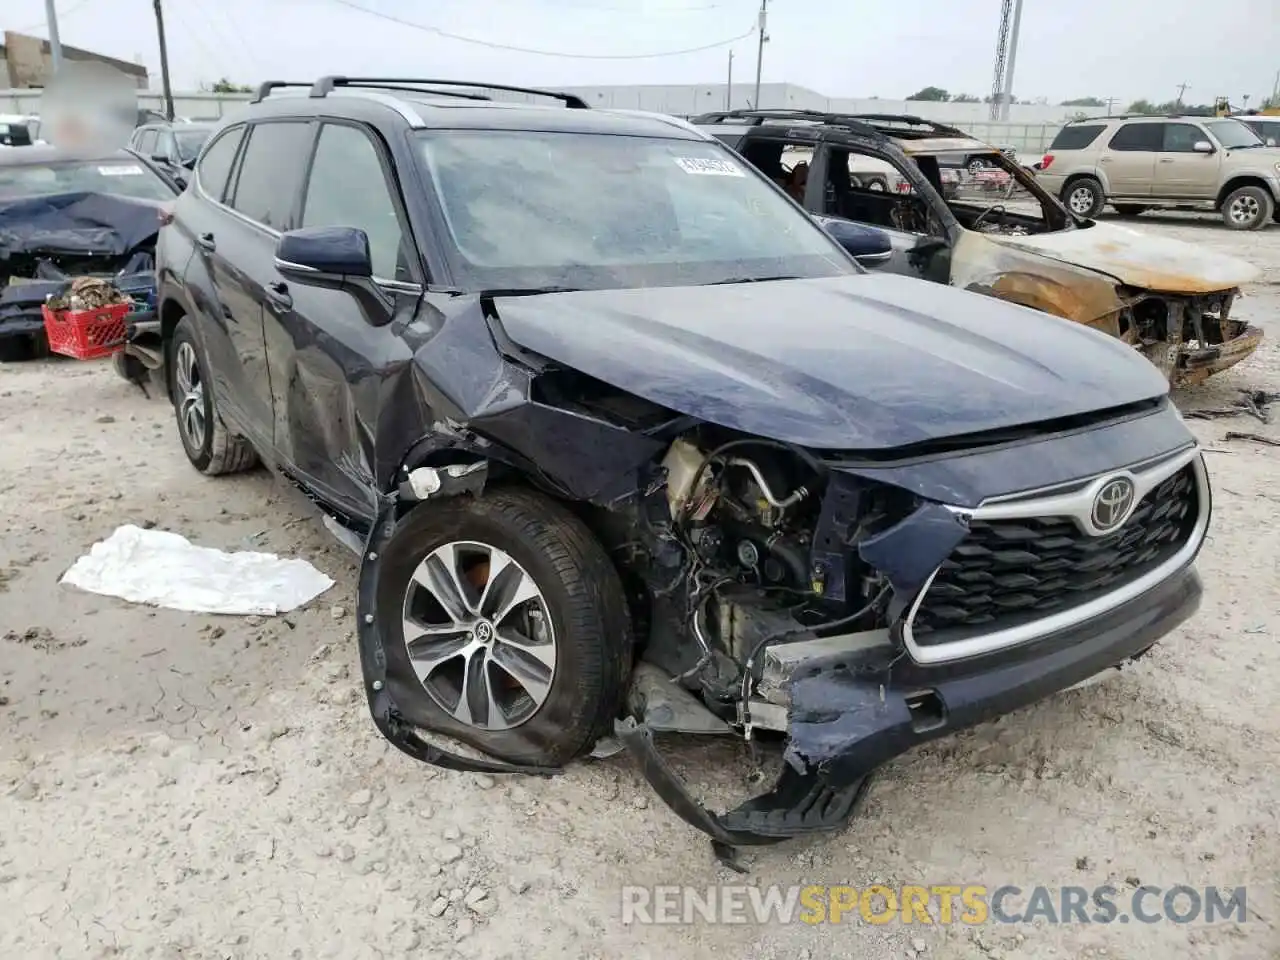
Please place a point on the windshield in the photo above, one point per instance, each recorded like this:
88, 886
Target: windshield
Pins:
533, 210
119, 177
1233, 133
189, 142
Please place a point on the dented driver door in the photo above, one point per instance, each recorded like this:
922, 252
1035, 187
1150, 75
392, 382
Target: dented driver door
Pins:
331, 349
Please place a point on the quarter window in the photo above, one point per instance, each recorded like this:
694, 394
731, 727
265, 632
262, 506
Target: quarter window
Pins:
147, 143
1077, 136
271, 172
216, 163
348, 188
1141, 137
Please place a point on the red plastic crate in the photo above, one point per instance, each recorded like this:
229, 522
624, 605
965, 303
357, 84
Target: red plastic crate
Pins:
86, 334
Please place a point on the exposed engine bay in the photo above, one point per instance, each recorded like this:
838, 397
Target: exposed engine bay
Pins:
745, 546
46, 242
1183, 336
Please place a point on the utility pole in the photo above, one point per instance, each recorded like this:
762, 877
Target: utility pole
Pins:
728, 87
164, 62
1110, 101
55, 42
1182, 88
1007, 97
763, 39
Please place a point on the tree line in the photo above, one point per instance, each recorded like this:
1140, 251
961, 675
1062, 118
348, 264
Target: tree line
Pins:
1143, 107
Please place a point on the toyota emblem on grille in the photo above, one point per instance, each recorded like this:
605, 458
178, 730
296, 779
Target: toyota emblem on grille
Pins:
1112, 504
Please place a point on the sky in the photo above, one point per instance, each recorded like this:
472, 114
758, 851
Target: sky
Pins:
849, 48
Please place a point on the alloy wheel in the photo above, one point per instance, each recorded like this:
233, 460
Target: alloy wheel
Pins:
479, 635
1245, 209
1080, 201
191, 417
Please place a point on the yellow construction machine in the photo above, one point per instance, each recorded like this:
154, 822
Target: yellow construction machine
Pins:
1222, 108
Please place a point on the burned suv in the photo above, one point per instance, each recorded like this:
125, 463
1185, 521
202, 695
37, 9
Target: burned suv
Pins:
629, 445
999, 232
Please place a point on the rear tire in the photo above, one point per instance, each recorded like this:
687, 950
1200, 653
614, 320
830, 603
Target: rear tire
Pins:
1130, 209
209, 445
129, 367
1248, 208
575, 602
1084, 197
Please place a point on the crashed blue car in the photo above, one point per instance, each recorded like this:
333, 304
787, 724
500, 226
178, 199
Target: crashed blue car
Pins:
629, 446
64, 216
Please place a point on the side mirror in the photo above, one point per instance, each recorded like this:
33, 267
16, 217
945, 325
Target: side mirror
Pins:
869, 246
1202, 146
337, 258
324, 255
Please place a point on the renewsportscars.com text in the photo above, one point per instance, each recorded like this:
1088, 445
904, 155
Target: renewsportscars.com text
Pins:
937, 904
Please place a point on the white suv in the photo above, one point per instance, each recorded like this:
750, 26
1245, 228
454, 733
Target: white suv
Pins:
1181, 163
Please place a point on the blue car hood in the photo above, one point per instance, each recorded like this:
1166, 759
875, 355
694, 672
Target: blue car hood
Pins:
866, 362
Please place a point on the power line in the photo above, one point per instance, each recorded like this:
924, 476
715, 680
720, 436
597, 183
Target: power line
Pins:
541, 53
213, 58
70, 11
247, 62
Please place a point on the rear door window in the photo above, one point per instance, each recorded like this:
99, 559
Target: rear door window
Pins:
271, 172
1140, 137
216, 163
1076, 136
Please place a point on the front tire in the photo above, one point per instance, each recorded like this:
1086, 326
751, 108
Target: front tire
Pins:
506, 626
1247, 208
209, 445
1084, 197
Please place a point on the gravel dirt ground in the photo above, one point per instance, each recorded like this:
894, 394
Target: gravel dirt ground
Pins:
200, 787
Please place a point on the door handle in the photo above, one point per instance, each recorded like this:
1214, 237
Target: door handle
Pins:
207, 242
1166, 159
278, 293
1104, 159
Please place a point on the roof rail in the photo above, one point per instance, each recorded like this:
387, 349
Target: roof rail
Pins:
757, 117
264, 89
326, 85
909, 120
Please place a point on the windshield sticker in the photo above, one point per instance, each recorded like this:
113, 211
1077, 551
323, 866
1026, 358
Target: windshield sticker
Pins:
708, 167
121, 170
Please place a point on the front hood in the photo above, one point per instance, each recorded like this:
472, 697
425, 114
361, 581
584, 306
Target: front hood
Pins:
854, 363
1138, 259
76, 224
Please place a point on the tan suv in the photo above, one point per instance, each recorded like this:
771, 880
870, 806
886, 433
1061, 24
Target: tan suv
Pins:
1178, 163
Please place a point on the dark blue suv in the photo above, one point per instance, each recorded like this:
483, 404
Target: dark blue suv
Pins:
630, 445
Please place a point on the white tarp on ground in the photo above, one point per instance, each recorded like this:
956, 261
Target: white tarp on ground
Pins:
167, 570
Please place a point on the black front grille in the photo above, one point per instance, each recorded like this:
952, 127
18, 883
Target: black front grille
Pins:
1008, 572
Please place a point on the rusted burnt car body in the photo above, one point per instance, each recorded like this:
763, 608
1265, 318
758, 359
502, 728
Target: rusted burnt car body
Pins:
1171, 301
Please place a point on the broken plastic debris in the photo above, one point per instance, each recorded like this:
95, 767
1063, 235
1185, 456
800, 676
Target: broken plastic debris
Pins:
167, 570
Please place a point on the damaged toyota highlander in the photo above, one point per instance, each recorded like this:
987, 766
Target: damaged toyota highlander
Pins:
630, 446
